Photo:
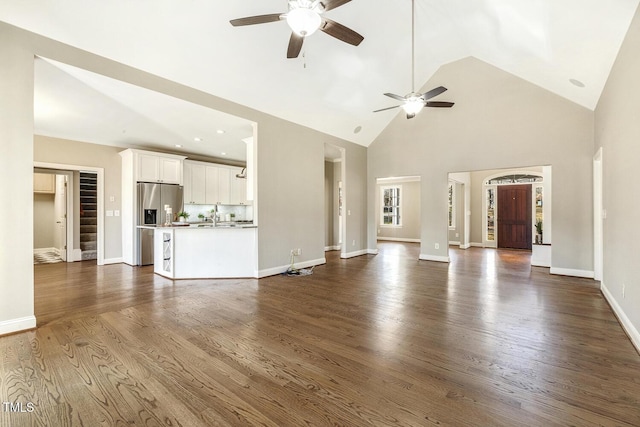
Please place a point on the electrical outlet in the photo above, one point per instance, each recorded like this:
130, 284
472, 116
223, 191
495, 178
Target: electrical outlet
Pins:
437, 245
353, 243
296, 252
623, 290
457, 234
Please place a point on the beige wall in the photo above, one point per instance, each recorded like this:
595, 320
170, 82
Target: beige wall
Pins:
289, 165
410, 213
617, 131
43, 220
61, 151
16, 176
498, 121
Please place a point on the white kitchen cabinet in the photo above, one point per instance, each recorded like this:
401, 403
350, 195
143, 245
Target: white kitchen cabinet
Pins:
238, 193
194, 183
158, 168
217, 185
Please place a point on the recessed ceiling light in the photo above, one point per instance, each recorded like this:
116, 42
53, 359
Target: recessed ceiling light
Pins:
220, 131
224, 154
178, 146
576, 82
197, 139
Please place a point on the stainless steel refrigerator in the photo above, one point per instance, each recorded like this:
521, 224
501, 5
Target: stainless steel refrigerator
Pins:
152, 199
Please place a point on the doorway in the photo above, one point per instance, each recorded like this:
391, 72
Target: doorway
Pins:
514, 217
52, 200
335, 224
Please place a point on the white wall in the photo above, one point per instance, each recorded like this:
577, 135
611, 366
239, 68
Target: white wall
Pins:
498, 121
617, 131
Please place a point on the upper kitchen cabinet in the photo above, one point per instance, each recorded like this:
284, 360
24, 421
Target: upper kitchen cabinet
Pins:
217, 185
194, 183
238, 193
44, 183
158, 167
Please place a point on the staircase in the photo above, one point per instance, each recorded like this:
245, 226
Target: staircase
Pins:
88, 215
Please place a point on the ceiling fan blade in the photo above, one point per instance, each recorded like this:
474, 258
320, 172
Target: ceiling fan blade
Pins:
332, 4
259, 19
388, 108
295, 45
340, 32
396, 97
434, 92
440, 104
411, 116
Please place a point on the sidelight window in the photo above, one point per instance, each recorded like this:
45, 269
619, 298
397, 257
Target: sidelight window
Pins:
390, 215
452, 205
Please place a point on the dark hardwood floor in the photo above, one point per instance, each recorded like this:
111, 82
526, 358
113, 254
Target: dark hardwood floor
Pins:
486, 340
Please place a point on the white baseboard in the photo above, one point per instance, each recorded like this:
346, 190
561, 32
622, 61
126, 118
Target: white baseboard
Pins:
354, 254
631, 330
399, 239
467, 246
44, 250
372, 251
17, 325
112, 261
281, 269
451, 242
476, 245
425, 257
571, 272
332, 248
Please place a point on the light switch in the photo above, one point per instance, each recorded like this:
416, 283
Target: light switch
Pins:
109, 213
112, 199
116, 213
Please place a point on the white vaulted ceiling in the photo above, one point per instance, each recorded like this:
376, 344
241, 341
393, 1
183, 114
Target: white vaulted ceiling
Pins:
335, 87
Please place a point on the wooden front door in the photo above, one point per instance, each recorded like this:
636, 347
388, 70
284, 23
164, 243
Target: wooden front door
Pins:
514, 216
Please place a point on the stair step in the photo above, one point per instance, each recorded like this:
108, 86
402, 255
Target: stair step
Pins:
90, 228
89, 254
88, 246
87, 220
88, 237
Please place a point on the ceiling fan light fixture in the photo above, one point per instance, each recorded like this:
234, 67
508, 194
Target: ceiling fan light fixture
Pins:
303, 21
413, 105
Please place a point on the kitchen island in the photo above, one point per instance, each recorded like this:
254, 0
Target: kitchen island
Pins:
206, 252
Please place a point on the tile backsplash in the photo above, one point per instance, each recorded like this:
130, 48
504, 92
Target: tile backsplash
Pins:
242, 212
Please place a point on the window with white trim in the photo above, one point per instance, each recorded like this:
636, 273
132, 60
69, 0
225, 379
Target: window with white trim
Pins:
390, 206
452, 205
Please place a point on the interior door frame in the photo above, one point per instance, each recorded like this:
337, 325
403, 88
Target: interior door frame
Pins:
70, 197
66, 253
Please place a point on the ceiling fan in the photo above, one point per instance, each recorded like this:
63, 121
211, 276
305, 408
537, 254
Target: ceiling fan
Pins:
304, 18
414, 102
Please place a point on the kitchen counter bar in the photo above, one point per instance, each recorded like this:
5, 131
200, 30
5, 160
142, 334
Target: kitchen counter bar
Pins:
192, 252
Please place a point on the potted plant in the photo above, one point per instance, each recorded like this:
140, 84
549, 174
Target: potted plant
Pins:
539, 231
182, 216
201, 216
